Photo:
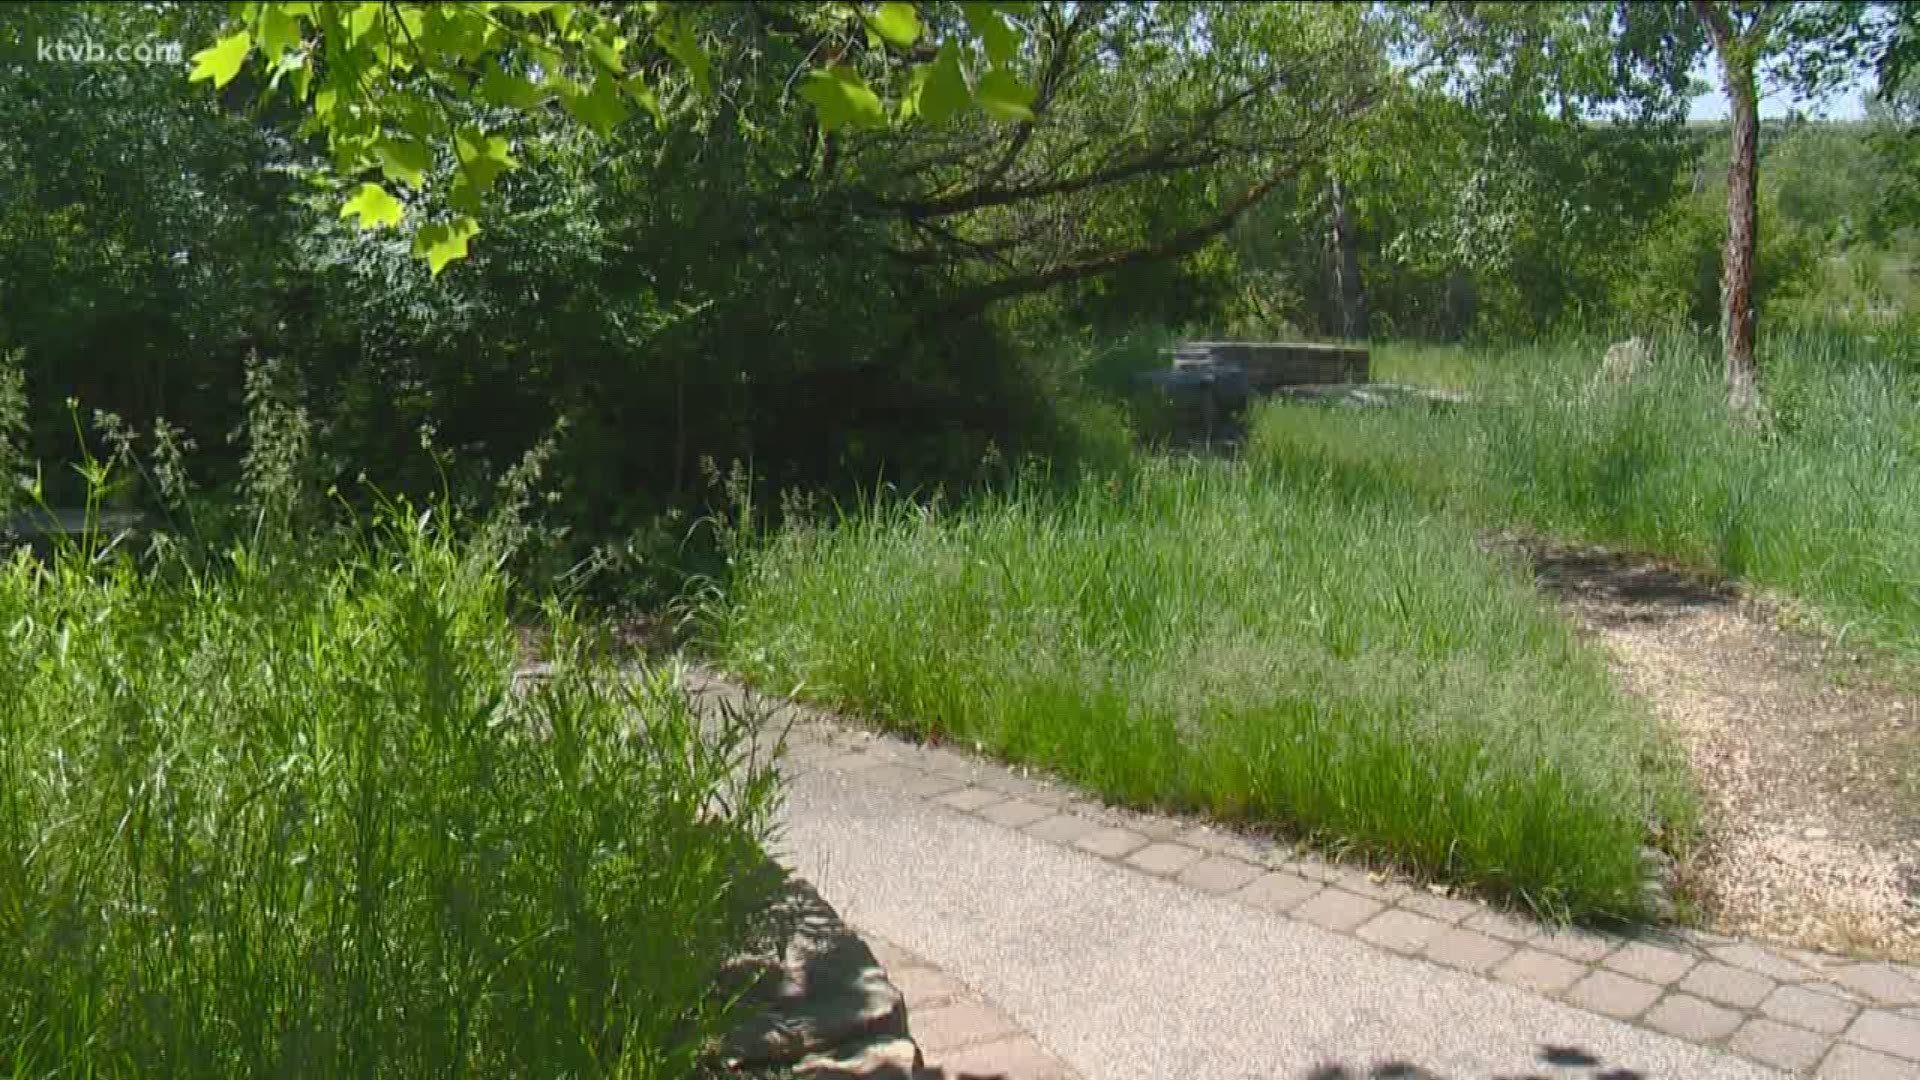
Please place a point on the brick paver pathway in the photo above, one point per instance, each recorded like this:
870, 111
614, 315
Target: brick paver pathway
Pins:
961, 1035
1803, 1013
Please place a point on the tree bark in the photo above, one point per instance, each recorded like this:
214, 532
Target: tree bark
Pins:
1349, 293
1737, 315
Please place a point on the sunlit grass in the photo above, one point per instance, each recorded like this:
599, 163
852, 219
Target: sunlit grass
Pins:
1233, 639
1824, 506
285, 819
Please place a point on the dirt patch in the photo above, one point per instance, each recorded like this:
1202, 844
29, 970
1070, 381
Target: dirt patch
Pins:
1806, 762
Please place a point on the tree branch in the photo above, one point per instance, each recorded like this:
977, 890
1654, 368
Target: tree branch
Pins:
1176, 246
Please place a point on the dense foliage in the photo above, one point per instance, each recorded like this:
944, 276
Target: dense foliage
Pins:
726, 270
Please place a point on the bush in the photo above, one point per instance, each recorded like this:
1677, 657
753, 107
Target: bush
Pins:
1673, 280
1205, 635
286, 820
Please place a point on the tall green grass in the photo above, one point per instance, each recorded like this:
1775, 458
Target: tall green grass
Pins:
1209, 635
282, 819
1824, 505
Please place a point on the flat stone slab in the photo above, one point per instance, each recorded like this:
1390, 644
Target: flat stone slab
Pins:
883, 1057
819, 989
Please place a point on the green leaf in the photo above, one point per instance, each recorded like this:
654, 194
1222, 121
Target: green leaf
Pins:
600, 107
222, 61
636, 87
499, 87
361, 18
944, 92
842, 98
279, 31
897, 22
482, 157
404, 160
676, 37
374, 205
1003, 96
605, 50
444, 241
999, 39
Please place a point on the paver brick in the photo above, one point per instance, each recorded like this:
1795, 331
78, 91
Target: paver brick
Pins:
1613, 994
953, 763
1207, 838
1163, 858
925, 987
1809, 1009
1227, 842
1062, 828
892, 775
1761, 960
1468, 950
1337, 910
1055, 798
1779, 1045
1401, 931
1852, 1063
1535, 970
1727, 984
1692, 1019
963, 1023
1110, 843
1651, 962
931, 785
1158, 828
1007, 1059
1016, 813
1008, 782
1357, 880
1877, 1029
1218, 874
891, 956
970, 798
1445, 908
1580, 946
1503, 926
1278, 891
1883, 983
1312, 869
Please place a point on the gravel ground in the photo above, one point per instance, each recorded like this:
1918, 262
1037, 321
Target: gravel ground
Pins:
1805, 762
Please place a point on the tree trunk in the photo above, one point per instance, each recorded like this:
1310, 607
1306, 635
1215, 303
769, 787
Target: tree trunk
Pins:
1737, 315
1349, 292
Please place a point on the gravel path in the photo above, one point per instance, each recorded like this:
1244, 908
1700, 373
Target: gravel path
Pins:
1807, 766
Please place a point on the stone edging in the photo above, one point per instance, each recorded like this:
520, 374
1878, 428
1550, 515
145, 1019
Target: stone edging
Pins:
1802, 1012
962, 1035
828, 1002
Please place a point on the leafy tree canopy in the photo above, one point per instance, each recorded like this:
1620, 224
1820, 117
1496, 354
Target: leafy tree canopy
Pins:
416, 100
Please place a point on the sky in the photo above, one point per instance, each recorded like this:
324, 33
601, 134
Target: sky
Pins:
1849, 104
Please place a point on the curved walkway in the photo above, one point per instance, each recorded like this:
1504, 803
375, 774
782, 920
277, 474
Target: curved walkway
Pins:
1134, 945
